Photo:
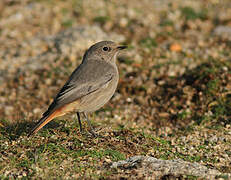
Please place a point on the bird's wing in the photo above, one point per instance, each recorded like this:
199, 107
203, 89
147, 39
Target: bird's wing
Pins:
87, 78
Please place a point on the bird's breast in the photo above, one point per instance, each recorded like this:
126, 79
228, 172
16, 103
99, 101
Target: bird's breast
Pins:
97, 99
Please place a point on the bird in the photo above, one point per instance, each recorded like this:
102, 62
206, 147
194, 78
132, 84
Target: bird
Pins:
89, 87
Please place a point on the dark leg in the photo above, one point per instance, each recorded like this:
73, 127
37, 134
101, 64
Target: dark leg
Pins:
80, 125
89, 124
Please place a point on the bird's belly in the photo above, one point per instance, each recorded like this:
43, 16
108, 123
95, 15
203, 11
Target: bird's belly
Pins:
97, 99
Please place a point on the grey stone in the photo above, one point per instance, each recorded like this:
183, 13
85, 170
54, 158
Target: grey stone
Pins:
159, 168
223, 31
68, 43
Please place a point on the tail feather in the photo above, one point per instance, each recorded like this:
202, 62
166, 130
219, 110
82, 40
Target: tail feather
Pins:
42, 122
49, 115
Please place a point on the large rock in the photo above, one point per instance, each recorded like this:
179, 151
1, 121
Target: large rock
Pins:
69, 43
156, 168
223, 31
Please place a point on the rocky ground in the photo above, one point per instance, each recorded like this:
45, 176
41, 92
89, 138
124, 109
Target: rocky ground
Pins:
172, 102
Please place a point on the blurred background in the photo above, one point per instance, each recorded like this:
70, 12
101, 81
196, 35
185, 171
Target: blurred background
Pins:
42, 42
174, 76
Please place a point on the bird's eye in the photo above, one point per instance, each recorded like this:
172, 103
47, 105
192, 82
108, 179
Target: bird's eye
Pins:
106, 48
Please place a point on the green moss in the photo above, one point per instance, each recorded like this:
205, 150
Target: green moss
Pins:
148, 42
101, 19
190, 14
67, 23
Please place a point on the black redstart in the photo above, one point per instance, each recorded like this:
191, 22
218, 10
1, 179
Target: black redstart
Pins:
89, 87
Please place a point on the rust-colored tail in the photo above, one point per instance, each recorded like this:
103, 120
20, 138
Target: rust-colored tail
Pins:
49, 115
43, 121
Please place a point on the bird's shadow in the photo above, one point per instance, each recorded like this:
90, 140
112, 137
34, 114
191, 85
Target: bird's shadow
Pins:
15, 130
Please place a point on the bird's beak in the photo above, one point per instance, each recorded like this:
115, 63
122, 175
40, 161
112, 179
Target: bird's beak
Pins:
121, 47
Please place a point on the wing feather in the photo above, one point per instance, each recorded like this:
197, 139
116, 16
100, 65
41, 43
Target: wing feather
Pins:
87, 78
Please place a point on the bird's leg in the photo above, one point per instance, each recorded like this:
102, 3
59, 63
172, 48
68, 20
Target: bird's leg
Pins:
89, 124
80, 124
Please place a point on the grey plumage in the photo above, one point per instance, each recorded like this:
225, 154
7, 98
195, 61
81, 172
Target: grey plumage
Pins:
83, 81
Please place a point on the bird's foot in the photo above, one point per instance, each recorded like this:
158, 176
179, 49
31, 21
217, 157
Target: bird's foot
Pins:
95, 133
